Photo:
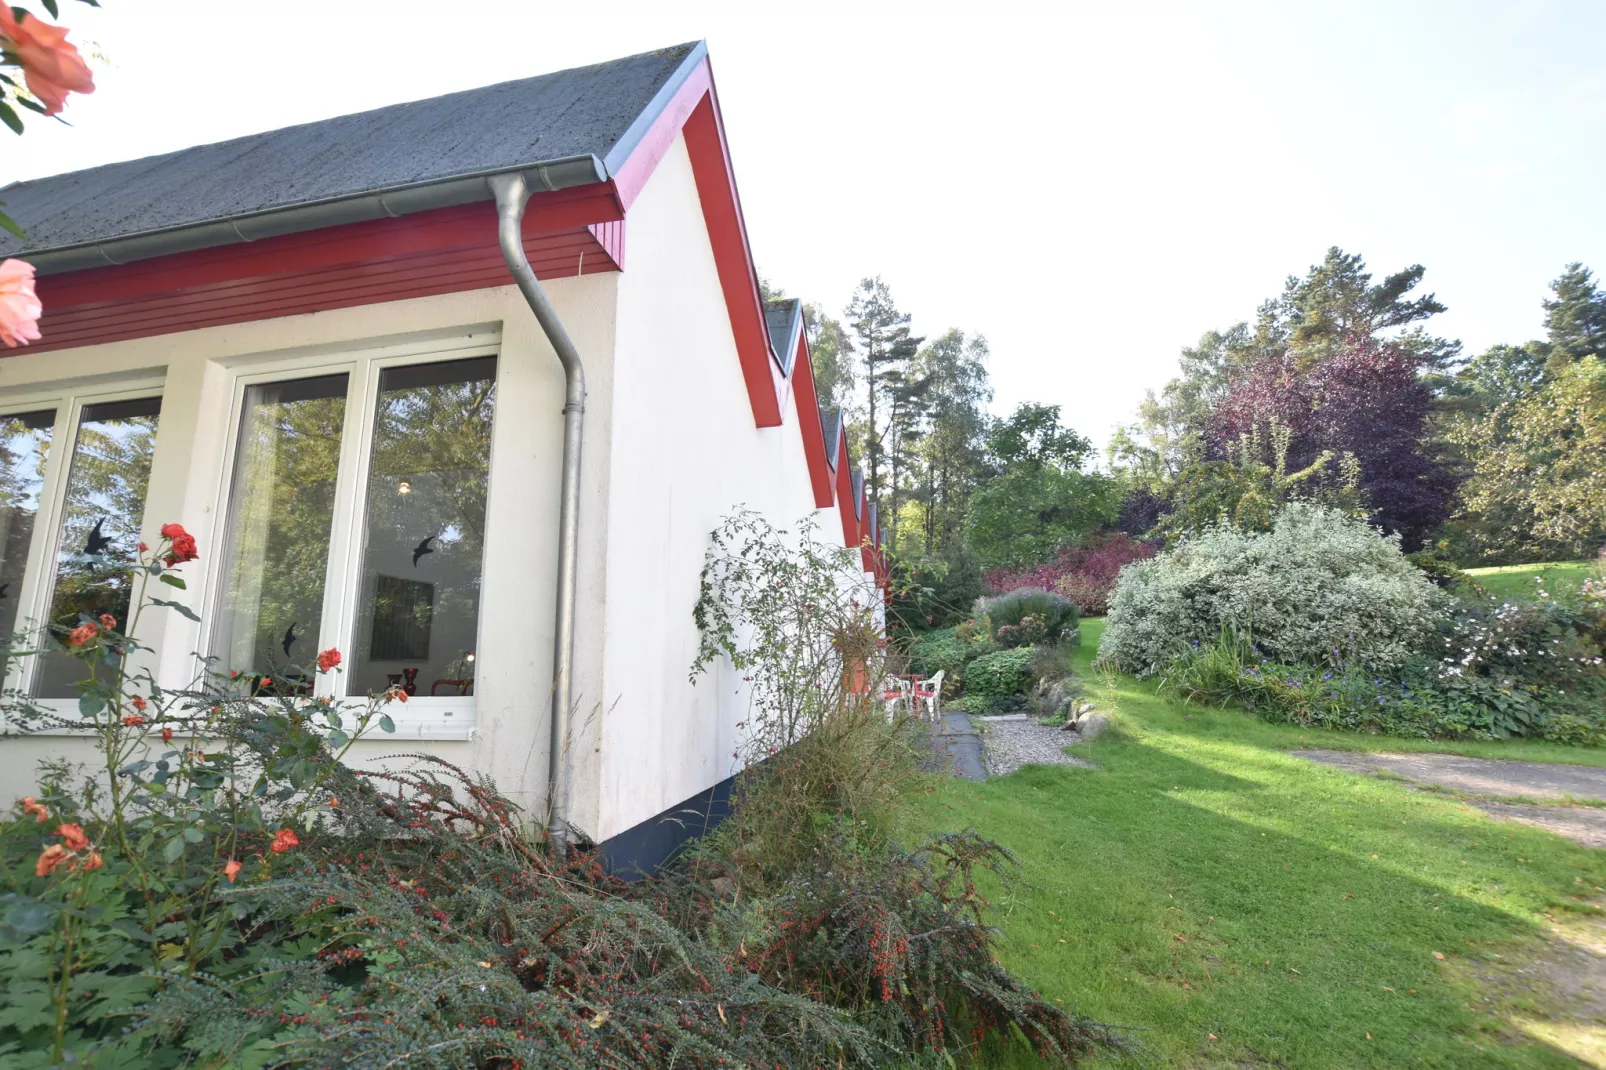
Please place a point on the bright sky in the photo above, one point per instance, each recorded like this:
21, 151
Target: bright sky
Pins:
1091, 186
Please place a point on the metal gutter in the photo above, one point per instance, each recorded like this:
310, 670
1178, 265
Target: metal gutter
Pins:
511, 194
315, 215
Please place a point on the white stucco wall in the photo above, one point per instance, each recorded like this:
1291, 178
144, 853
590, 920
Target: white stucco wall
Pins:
669, 449
189, 476
685, 454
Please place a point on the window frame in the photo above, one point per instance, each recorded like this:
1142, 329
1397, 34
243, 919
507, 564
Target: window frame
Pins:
422, 716
39, 575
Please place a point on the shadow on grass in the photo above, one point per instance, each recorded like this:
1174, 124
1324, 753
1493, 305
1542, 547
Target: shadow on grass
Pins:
1199, 885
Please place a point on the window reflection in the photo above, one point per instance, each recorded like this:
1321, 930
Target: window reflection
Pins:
280, 511
24, 448
105, 502
419, 593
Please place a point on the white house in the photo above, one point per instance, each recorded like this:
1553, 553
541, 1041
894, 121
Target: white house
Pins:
309, 347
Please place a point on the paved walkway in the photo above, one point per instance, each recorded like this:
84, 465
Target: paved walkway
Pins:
956, 748
1497, 780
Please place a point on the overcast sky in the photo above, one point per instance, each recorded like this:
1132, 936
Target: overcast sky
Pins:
1091, 186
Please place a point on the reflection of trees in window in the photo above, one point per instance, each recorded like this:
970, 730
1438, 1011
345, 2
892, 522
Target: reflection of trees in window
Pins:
280, 517
428, 476
24, 448
106, 484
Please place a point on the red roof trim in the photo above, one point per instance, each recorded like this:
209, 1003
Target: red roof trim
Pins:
722, 214
567, 232
629, 180
808, 424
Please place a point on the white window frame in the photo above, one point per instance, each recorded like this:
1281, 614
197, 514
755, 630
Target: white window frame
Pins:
39, 576
422, 716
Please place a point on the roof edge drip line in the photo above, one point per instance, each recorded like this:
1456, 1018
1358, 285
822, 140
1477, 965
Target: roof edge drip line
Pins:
380, 204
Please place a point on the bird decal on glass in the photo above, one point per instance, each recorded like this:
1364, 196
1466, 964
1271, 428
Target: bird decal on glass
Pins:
97, 542
423, 548
290, 637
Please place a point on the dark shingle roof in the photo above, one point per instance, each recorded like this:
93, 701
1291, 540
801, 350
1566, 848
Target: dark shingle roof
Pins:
831, 428
600, 111
783, 317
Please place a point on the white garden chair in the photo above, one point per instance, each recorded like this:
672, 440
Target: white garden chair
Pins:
928, 693
895, 692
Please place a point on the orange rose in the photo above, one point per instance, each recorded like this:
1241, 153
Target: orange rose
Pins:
19, 305
91, 861
33, 806
231, 869
183, 548
283, 840
84, 632
107, 622
328, 659
167, 735
74, 835
49, 859
133, 720
52, 67
138, 703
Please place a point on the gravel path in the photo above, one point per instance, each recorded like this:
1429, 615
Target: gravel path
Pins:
1012, 744
1499, 780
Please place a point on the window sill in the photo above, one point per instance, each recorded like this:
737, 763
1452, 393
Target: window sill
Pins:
442, 720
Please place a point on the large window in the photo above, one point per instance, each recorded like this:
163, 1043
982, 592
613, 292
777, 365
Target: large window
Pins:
89, 496
269, 618
356, 519
24, 451
419, 607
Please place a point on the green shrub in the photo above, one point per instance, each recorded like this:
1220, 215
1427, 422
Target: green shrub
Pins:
1003, 672
1027, 615
950, 650
1513, 669
1320, 588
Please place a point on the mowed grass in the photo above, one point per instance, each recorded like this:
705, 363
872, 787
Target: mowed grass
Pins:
1236, 906
1517, 581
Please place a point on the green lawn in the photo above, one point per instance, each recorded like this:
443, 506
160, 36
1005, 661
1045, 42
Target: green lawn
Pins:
1517, 581
1201, 881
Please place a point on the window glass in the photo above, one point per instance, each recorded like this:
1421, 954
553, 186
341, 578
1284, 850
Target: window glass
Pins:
281, 508
419, 590
99, 534
24, 448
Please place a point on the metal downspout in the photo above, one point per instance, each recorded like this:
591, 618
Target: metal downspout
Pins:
511, 194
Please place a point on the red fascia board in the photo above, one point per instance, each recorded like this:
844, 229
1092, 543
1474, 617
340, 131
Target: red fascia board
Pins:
246, 300
694, 113
733, 259
808, 422
351, 243
630, 179
844, 499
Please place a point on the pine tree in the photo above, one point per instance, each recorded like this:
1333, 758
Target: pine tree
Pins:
1575, 320
886, 347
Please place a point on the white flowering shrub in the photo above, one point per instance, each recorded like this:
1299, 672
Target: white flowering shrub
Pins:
1320, 588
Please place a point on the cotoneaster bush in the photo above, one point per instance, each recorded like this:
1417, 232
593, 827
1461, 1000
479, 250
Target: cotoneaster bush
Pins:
1319, 588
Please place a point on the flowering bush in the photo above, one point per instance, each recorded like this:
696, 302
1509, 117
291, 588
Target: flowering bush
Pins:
1525, 669
1055, 616
1320, 588
157, 832
1085, 574
1538, 667
245, 898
